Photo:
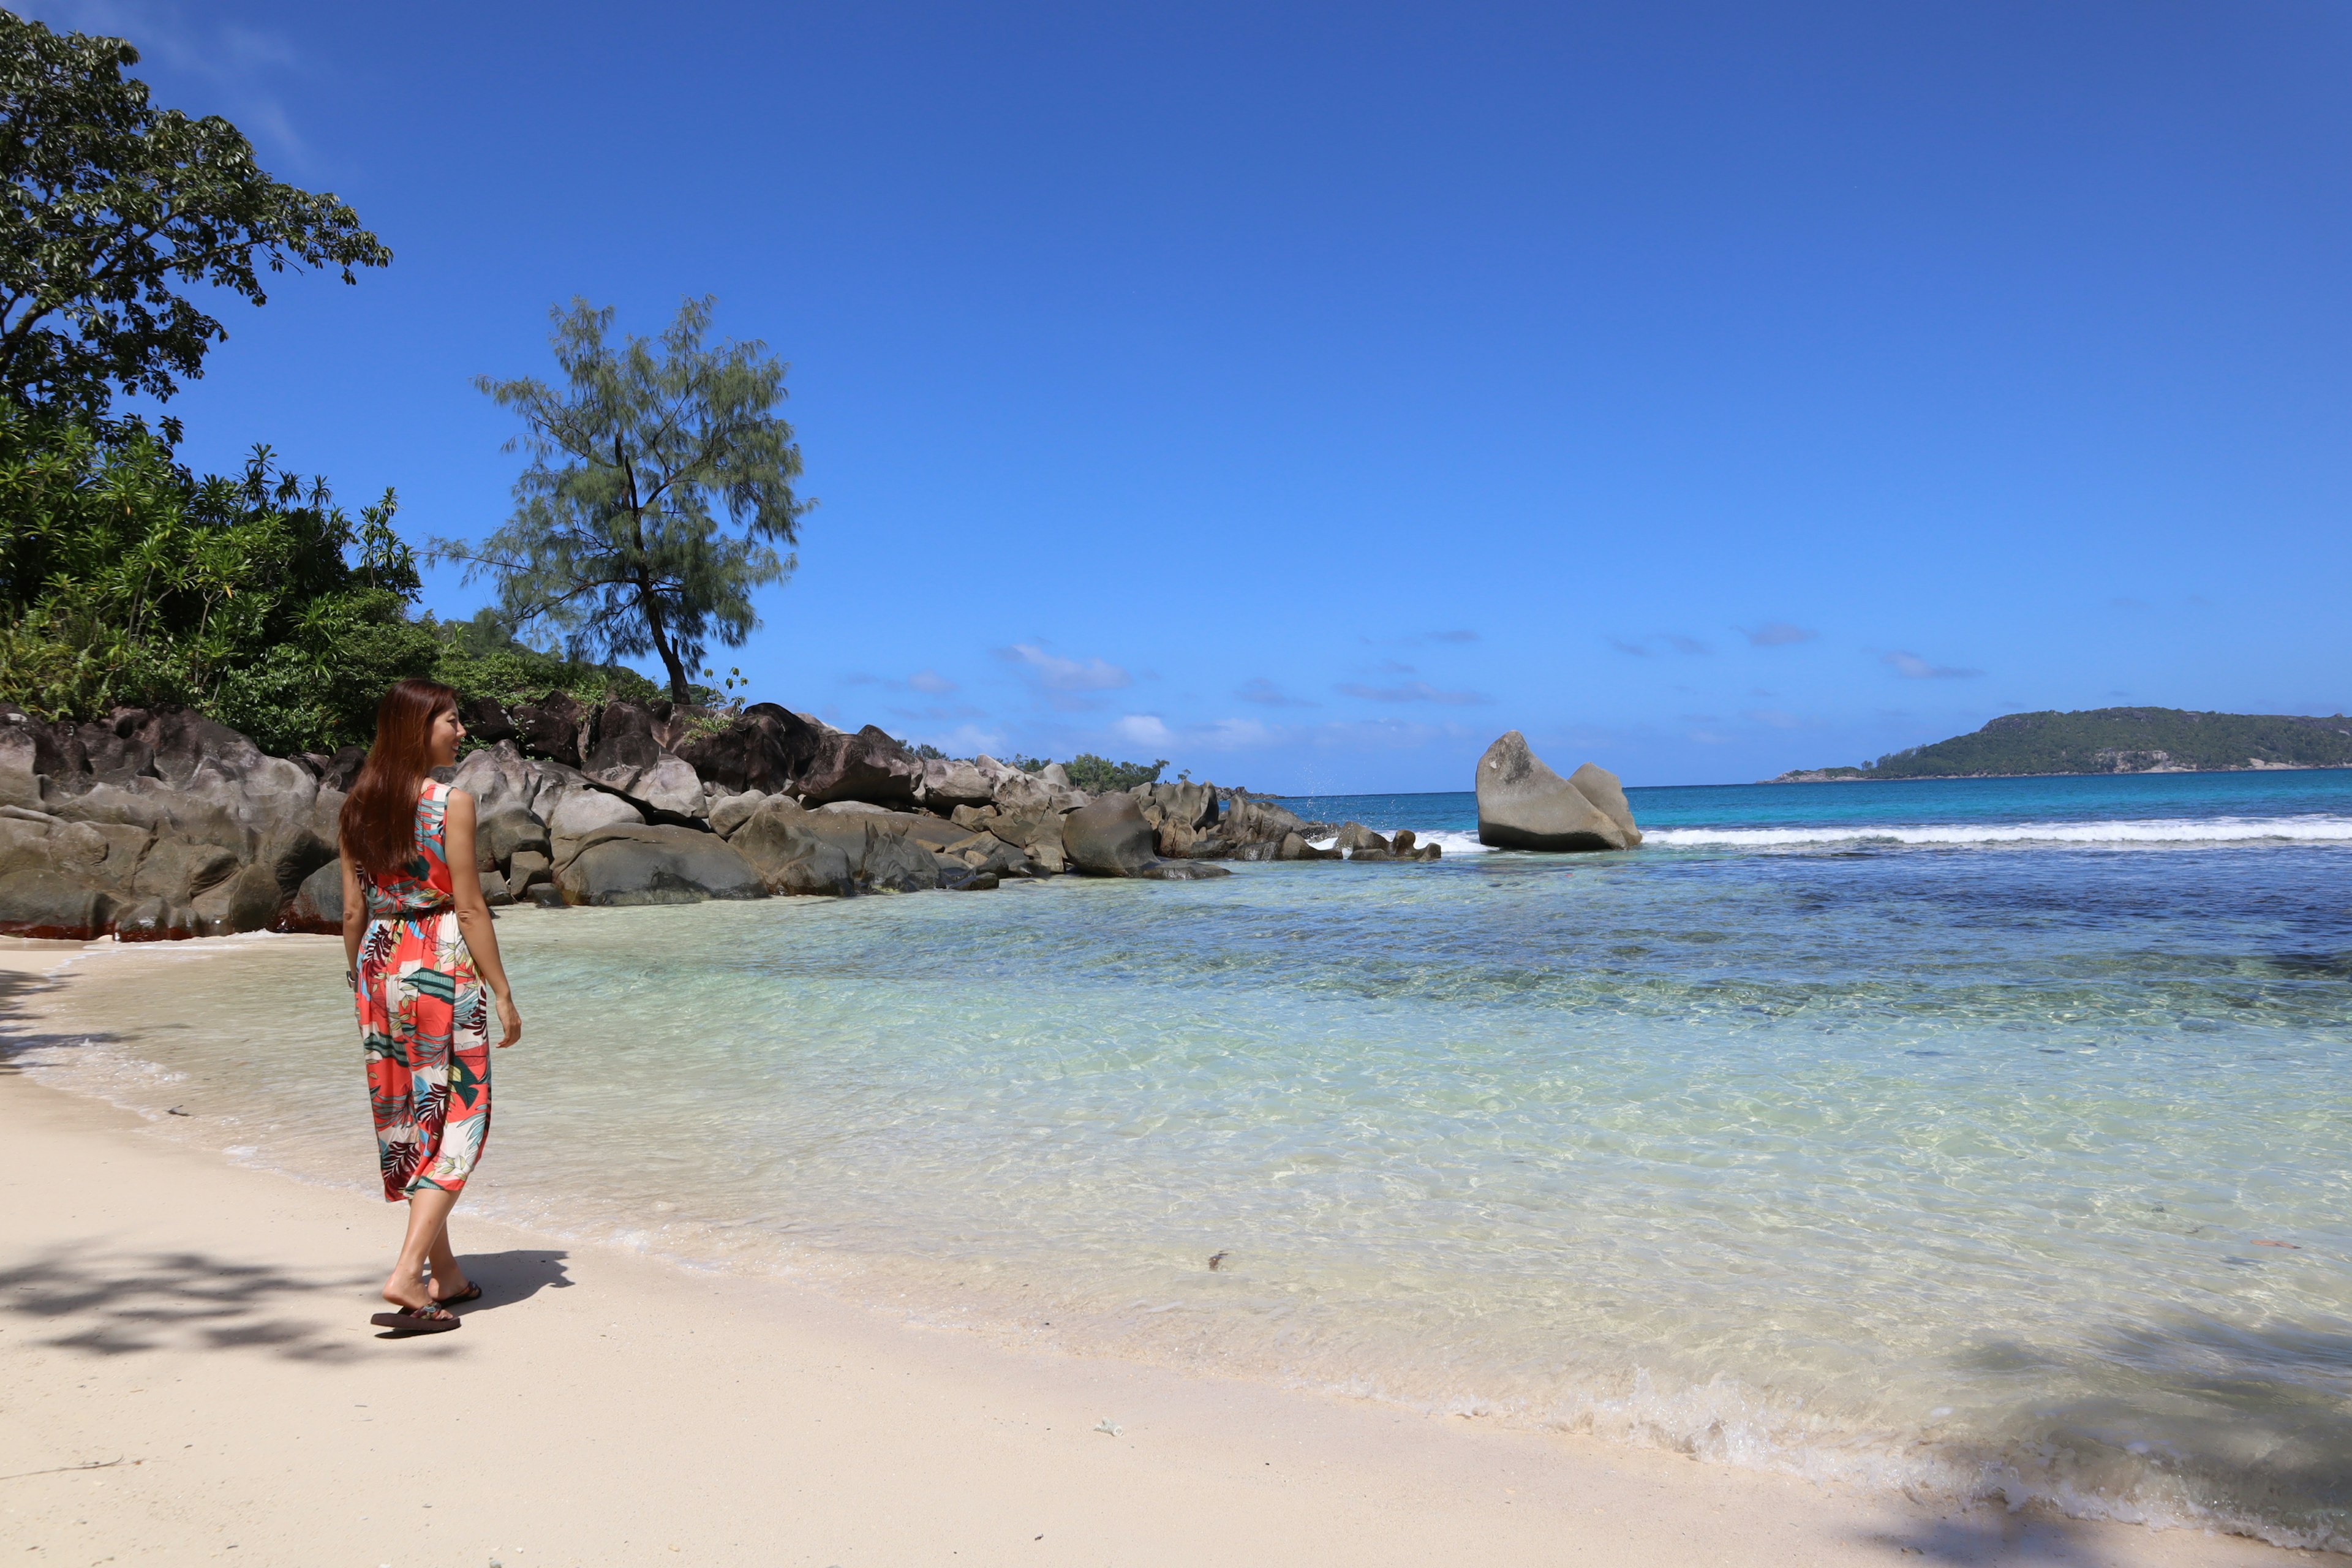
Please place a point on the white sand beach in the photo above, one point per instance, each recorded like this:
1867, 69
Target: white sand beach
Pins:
187, 1374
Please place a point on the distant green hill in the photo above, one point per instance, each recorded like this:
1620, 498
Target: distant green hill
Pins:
2115, 741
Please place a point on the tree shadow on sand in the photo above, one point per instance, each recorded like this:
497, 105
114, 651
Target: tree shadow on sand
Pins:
2244, 1424
1982, 1542
126, 1304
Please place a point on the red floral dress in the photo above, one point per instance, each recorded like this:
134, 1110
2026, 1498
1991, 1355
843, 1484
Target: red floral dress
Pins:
424, 1017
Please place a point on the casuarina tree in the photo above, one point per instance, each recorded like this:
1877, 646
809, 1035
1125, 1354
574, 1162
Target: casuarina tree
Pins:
114, 212
660, 485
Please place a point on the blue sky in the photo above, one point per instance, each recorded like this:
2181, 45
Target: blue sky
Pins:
1310, 393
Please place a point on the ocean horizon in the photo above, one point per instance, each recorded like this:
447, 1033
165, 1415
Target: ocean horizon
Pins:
1977, 1138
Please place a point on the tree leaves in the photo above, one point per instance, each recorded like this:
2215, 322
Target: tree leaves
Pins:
109, 207
617, 542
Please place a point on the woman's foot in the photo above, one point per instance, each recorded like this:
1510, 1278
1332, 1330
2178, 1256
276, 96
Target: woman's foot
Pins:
408, 1289
456, 1295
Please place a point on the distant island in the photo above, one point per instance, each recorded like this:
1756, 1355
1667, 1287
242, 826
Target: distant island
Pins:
2112, 740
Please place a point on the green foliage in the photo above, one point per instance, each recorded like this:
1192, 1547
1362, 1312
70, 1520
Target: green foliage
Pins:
2124, 740
482, 657
1030, 765
924, 750
126, 580
615, 543
1099, 775
109, 207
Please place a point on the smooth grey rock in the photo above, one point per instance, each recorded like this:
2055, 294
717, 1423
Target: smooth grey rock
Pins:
158, 920
500, 834
1180, 871
528, 869
853, 808
1600, 786
948, 784
868, 765
584, 812
495, 892
1026, 795
987, 852
1361, 843
246, 901
499, 777
1523, 805
636, 862
731, 812
791, 856
52, 904
317, 905
177, 871
1109, 838
975, 817
895, 860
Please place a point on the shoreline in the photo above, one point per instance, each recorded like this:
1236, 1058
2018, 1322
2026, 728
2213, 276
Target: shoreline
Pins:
650, 1405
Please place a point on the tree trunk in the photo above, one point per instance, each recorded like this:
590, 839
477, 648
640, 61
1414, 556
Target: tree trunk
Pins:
679, 691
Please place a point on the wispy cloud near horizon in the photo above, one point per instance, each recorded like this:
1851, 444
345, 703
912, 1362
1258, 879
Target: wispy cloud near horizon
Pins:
1912, 667
1057, 674
1412, 691
1778, 634
1261, 691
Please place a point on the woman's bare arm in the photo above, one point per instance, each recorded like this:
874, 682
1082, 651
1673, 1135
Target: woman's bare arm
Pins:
473, 914
354, 919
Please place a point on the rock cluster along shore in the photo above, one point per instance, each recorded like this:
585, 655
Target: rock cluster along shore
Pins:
160, 825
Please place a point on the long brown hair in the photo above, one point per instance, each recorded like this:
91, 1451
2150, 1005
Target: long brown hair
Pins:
379, 820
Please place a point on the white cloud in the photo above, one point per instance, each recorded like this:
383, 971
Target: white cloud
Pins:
1412, 691
930, 681
1778, 634
1916, 668
1143, 730
1057, 674
1237, 734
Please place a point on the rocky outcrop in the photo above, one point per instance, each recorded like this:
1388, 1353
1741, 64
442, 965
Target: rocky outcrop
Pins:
791, 855
645, 863
1110, 837
867, 766
1524, 805
766, 748
165, 824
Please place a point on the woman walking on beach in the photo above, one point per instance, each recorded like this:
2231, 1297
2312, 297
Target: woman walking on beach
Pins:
420, 953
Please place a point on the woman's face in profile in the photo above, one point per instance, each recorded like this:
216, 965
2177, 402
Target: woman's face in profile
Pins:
442, 743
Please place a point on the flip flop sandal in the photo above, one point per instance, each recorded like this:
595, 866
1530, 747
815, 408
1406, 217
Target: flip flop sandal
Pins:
431, 1320
470, 1293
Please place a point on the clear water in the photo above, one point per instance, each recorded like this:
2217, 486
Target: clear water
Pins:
1847, 1130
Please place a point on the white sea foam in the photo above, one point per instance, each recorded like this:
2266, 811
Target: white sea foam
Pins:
1450, 840
2106, 835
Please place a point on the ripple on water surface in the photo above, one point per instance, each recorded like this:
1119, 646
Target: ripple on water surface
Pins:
1930, 1168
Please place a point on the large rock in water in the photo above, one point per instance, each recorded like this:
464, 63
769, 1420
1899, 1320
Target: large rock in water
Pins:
1110, 837
631, 863
1523, 805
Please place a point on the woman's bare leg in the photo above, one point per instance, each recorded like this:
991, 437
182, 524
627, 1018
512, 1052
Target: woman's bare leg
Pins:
448, 1278
428, 1222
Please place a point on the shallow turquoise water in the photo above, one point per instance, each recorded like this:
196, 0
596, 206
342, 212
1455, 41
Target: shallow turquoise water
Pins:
1939, 1161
